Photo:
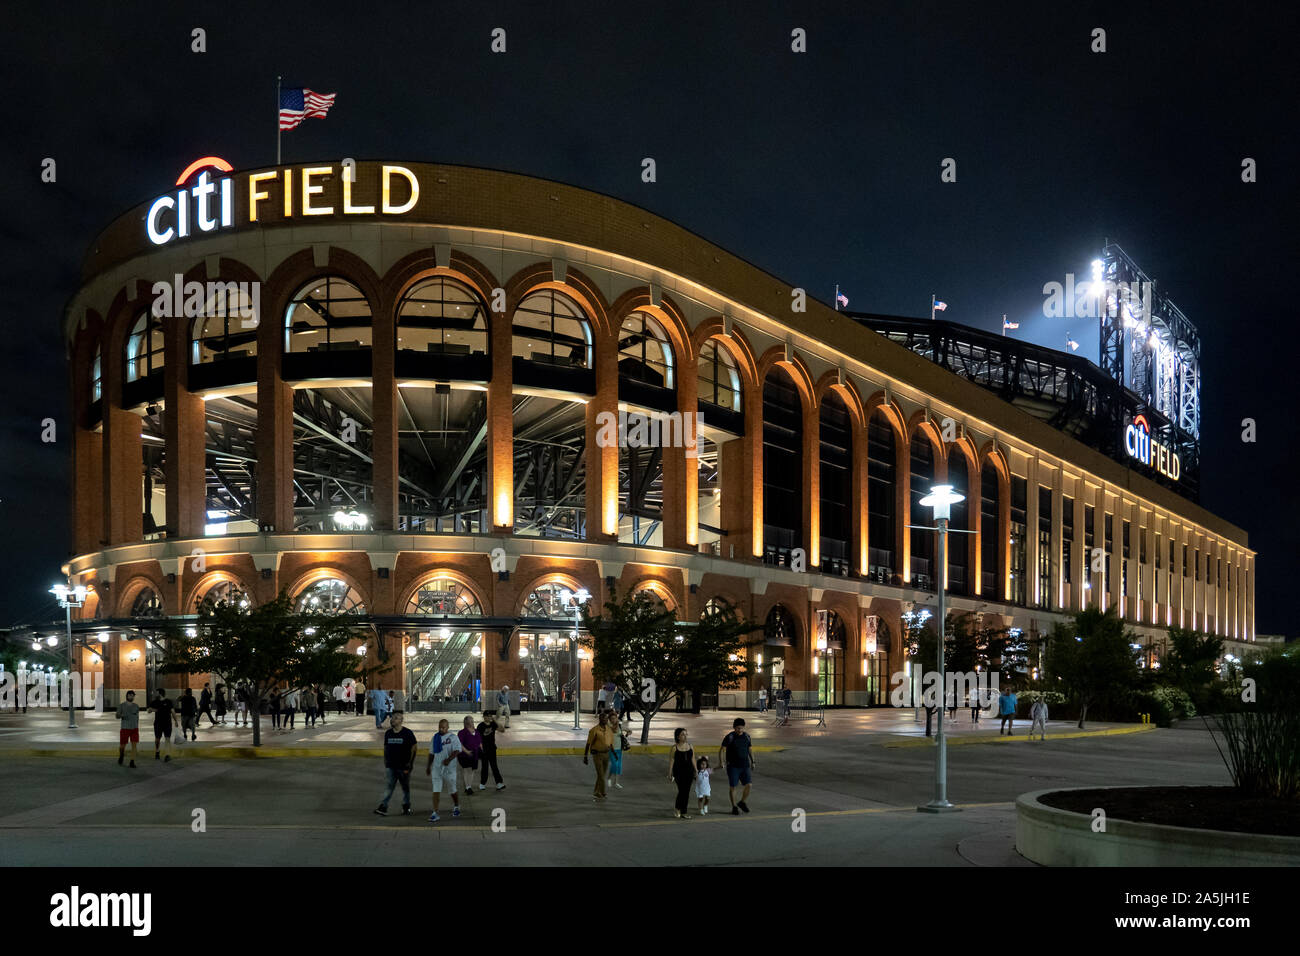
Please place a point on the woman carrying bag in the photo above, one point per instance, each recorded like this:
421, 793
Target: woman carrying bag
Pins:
471, 743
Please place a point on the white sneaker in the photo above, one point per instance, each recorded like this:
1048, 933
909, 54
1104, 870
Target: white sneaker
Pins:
482, 786
704, 810
619, 785
609, 781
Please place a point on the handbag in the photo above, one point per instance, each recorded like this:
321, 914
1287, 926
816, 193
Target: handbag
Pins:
625, 744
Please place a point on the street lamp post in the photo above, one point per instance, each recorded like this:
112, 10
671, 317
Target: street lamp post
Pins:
941, 498
70, 598
577, 599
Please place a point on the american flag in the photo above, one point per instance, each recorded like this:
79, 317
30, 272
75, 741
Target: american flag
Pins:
841, 298
1006, 325
940, 306
298, 104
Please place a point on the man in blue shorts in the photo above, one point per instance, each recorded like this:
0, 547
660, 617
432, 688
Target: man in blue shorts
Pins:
736, 756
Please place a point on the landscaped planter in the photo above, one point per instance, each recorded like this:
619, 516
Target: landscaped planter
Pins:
1056, 837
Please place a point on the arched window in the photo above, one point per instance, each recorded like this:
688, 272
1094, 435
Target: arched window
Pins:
97, 375
779, 628
715, 606
330, 596
644, 354
922, 480
719, 382
444, 317
658, 594
782, 467
328, 315
225, 593
881, 478
548, 601
227, 328
958, 562
990, 545
443, 596
835, 488
147, 604
144, 347
551, 328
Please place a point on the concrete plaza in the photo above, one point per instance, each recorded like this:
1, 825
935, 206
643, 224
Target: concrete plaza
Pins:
854, 785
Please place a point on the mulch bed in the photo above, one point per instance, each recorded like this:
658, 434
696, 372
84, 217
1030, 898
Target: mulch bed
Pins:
1206, 808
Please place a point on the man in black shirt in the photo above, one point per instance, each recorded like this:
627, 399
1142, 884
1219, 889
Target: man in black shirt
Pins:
737, 757
488, 730
164, 722
399, 758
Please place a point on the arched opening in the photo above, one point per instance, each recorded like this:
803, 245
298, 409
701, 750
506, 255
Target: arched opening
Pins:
97, 375
223, 592
551, 329
328, 315
922, 478
828, 658
990, 541
835, 487
145, 347
329, 595
780, 633
644, 353
718, 379
442, 332
545, 631
445, 662
881, 486
227, 329
959, 581
783, 489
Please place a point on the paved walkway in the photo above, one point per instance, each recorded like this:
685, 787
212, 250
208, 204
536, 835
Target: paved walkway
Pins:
536, 733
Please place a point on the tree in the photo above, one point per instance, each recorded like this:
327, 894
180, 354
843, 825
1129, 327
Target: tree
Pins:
1189, 662
640, 646
1093, 658
263, 647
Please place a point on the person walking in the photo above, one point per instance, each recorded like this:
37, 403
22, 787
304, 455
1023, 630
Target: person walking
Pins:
290, 704
221, 704
379, 706
241, 703
308, 697
488, 729
128, 713
442, 768
189, 714
1038, 713
599, 743
616, 704
164, 723
975, 707
503, 706
681, 771
762, 700
322, 703
601, 699
471, 748
359, 698
736, 756
340, 698
615, 750
399, 759
205, 705
702, 787
1007, 713
275, 707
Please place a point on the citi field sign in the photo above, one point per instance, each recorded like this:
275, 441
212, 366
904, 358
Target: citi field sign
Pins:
204, 204
1140, 445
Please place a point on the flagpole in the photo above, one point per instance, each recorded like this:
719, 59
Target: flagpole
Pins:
277, 120
1004, 325
837, 297
931, 306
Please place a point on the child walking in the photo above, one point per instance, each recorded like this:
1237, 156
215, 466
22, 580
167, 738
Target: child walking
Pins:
702, 788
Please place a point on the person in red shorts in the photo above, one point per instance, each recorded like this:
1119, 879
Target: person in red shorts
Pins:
128, 712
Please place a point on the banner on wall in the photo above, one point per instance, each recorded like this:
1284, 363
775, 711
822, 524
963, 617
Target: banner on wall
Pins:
823, 630
870, 622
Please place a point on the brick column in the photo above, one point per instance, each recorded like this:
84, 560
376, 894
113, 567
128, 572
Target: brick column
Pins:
812, 479
501, 424
681, 473
742, 496
383, 410
185, 434
602, 463
123, 460
1057, 599
88, 495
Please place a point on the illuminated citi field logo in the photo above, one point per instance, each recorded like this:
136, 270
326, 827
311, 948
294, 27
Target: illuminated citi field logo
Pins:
209, 205
1140, 445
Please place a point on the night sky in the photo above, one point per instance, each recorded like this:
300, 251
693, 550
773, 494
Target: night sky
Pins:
820, 168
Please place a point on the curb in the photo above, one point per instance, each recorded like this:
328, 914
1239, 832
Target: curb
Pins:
958, 741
